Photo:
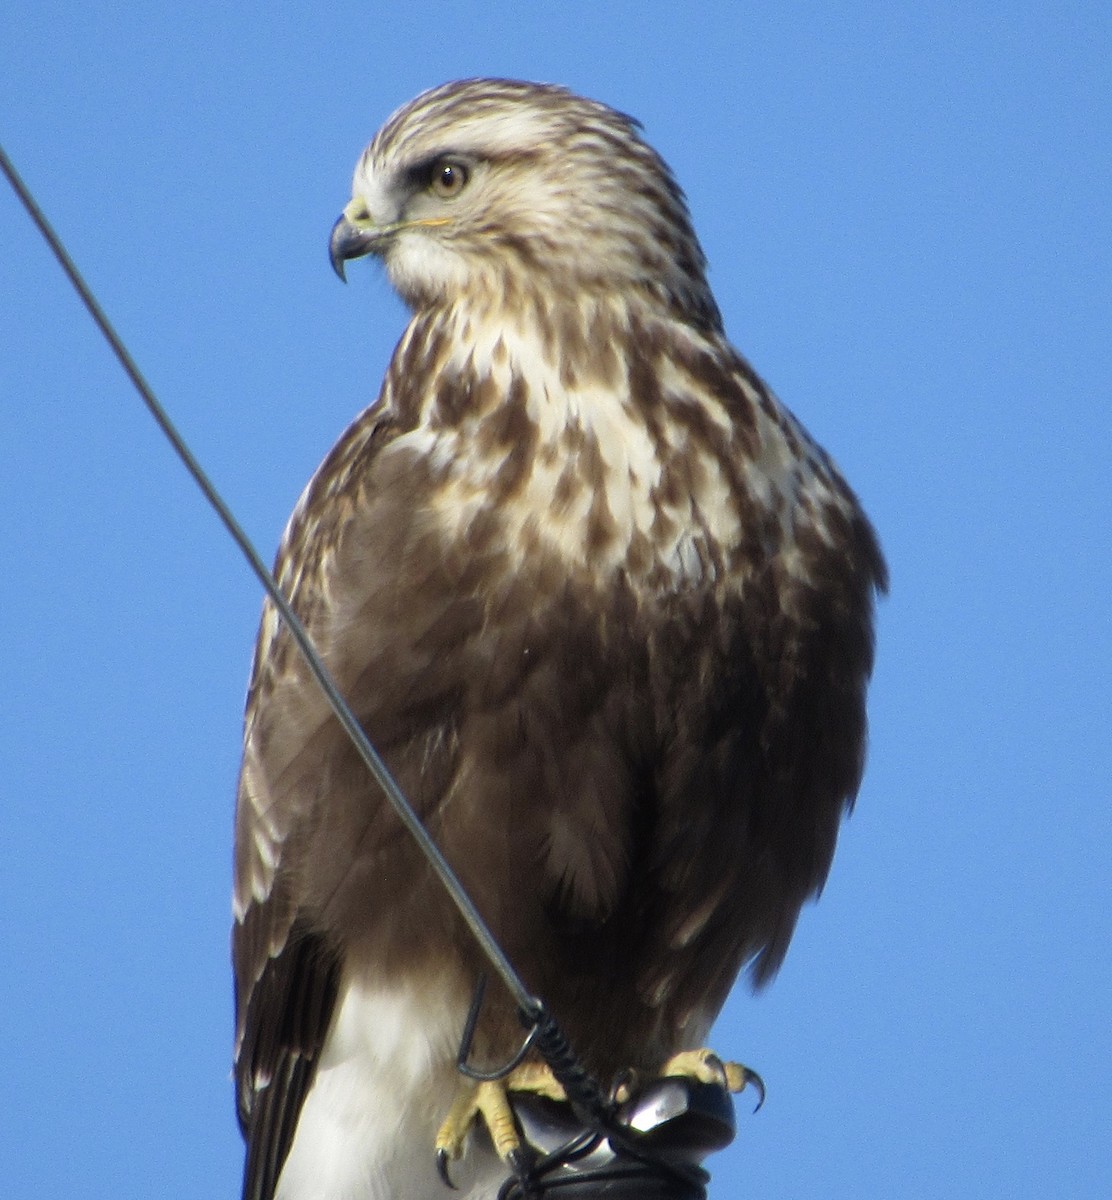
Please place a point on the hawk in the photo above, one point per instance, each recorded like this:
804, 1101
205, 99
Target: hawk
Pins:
605, 609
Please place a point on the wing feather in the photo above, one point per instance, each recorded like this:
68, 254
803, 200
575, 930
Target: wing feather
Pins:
287, 1020
286, 975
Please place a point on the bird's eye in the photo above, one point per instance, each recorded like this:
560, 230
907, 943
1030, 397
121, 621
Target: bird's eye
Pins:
447, 179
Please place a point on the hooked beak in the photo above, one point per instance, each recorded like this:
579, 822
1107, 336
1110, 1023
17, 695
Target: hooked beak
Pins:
353, 236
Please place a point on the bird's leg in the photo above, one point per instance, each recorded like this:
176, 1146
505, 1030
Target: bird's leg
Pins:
490, 1101
706, 1067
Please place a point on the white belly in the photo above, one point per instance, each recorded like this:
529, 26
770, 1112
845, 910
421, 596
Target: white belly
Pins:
385, 1080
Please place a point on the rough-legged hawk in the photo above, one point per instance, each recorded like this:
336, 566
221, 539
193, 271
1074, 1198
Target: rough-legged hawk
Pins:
607, 612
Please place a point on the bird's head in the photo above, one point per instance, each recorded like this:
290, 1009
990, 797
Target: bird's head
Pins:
491, 188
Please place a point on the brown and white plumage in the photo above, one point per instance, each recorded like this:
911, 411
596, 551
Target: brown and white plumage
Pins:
603, 606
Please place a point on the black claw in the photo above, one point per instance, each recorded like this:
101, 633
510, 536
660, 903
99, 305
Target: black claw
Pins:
442, 1169
518, 1162
753, 1080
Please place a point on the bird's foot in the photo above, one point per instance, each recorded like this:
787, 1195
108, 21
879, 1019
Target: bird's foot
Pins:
490, 1101
706, 1067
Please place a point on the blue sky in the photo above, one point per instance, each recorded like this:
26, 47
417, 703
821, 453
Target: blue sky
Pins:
906, 211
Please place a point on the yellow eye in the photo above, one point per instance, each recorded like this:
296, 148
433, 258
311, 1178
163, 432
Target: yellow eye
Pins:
448, 179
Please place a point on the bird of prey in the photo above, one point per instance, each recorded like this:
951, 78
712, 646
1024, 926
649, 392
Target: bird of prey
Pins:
605, 609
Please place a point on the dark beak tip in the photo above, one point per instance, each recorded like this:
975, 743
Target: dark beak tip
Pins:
336, 240
350, 241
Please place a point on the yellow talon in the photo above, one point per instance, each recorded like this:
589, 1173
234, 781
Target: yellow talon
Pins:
738, 1075
706, 1067
537, 1079
457, 1124
490, 1100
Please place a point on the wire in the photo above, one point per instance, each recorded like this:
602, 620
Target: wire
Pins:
530, 1006
635, 1171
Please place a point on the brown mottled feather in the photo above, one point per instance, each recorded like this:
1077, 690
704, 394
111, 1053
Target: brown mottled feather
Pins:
599, 601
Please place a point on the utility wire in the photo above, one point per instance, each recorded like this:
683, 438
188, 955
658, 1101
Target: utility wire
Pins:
529, 1005
656, 1177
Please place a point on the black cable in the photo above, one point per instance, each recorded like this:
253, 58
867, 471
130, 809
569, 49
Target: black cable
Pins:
524, 999
633, 1165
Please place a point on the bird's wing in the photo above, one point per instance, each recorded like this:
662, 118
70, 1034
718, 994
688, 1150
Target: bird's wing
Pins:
286, 975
